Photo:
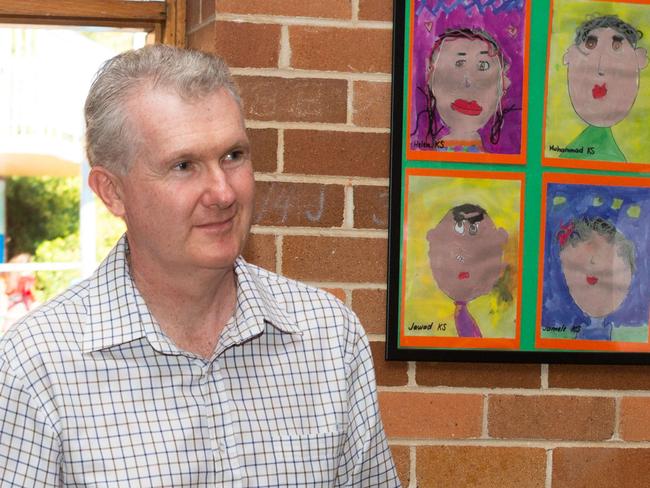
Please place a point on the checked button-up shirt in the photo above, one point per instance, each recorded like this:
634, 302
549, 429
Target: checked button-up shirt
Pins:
92, 393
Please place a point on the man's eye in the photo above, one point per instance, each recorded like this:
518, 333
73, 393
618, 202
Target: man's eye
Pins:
182, 166
483, 65
460, 63
234, 155
591, 42
458, 227
617, 44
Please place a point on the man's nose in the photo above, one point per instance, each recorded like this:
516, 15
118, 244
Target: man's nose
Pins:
216, 188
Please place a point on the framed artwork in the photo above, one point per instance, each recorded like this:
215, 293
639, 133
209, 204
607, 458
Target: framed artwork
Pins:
598, 85
466, 81
504, 245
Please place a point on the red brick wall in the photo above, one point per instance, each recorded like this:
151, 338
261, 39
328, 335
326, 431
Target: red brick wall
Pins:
315, 78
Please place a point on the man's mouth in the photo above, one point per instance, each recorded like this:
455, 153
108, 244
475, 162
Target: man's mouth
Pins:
599, 91
463, 275
466, 107
592, 280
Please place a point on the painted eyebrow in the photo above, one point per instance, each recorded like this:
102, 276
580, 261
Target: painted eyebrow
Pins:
461, 54
618, 38
483, 52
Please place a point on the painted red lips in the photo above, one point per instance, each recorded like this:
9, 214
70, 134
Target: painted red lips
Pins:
599, 91
463, 275
466, 107
592, 280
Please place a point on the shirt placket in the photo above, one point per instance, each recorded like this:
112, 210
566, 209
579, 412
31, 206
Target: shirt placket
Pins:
220, 421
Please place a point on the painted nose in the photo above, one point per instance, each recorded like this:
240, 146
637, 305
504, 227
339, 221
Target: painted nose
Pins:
468, 82
217, 190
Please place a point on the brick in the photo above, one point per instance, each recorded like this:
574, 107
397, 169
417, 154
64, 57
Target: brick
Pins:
635, 421
402, 459
298, 204
551, 417
336, 153
600, 468
370, 306
371, 104
338, 49
480, 467
294, 99
346, 259
381, 10
193, 15
478, 375
260, 250
261, 49
207, 9
431, 415
389, 373
331, 9
202, 39
264, 147
599, 377
337, 292
370, 207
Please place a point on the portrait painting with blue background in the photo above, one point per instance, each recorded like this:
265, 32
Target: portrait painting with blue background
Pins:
628, 209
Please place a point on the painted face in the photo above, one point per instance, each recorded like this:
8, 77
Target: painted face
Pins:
187, 199
467, 80
597, 276
603, 74
466, 257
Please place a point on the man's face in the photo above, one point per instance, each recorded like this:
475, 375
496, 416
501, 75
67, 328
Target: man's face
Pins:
597, 276
187, 198
466, 257
467, 80
603, 73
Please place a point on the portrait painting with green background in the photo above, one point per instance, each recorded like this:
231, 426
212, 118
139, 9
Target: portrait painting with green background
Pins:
562, 123
429, 199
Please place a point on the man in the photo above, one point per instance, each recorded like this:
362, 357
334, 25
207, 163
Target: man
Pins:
466, 258
178, 364
604, 66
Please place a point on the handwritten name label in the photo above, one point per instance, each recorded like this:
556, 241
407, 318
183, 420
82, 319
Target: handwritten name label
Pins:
561, 328
430, 326
429, 145
575, 150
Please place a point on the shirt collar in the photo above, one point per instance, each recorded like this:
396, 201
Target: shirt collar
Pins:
117, 313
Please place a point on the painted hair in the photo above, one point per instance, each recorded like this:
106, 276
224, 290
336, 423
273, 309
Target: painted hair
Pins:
460, 213
493, 51
631, 34
580, 229
110, 139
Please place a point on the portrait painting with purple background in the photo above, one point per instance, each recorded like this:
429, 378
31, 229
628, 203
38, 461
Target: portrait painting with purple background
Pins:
505, 22
628, 209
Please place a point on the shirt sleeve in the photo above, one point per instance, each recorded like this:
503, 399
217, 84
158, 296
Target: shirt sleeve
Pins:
29, 446
366, 459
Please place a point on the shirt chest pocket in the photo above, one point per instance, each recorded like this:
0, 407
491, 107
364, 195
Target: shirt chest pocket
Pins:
302, 460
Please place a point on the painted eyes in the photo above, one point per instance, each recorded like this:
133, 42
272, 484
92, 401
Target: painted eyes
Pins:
460, 228
482, 65
617, 43
591, 42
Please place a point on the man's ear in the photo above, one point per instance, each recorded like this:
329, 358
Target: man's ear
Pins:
641, 57
108, 187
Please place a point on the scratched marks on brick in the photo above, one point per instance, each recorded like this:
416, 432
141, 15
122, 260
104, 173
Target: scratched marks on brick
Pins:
371, 207
298, 204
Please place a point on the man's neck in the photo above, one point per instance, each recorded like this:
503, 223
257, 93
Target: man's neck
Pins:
192, 308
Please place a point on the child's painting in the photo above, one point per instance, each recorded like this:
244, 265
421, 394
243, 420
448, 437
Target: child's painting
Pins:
598, 87
596, 279
467, 80
461, 277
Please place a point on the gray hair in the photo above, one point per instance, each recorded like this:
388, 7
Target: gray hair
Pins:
110, 140
580, 229
631, 33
